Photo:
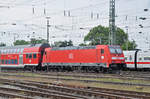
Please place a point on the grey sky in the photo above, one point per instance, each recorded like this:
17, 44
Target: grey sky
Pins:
68, 28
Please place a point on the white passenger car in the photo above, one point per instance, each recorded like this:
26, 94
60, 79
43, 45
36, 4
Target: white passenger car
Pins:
137, 59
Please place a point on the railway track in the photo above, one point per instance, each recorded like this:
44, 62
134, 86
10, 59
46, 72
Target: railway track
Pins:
73, 92
77, 79
24, 90
144, 77
136, 75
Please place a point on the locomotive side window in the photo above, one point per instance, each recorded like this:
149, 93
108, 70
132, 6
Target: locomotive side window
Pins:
115, 50
146, 58
102, 51
34, 55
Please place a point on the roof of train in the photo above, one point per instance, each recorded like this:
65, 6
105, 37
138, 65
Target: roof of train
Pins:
139, 52
83, 47
24, 46
74, 47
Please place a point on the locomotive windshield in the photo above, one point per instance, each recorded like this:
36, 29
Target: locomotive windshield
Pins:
115, 50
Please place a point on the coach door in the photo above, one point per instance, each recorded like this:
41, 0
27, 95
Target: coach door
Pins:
21, 59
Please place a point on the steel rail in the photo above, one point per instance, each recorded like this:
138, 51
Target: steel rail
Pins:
91, 91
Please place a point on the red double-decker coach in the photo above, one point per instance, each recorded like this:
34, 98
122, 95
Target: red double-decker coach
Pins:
22, 56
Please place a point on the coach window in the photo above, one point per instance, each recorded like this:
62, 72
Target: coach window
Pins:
126, 58
6, 50
12, 61
13, 51
15, 61
30, 56
130, 58
10, 51
140, 58
27, 55
2, 61
146, 58
21, 50
3, 51
18, 50
34, 55
5, 61
9, 61
102, 51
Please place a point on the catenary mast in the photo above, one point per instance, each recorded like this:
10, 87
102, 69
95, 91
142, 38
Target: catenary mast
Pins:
112, 33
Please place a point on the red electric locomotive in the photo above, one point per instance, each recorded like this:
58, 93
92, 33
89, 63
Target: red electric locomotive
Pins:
100, 57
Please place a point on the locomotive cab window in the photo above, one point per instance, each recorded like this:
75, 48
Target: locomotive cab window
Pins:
34, 56
115, 50
102, 51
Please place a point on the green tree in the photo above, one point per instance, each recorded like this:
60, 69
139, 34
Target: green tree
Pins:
2, 44
100, 35
32, 41
82, 44
63, 43
129, 45
37, 41
21, 42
